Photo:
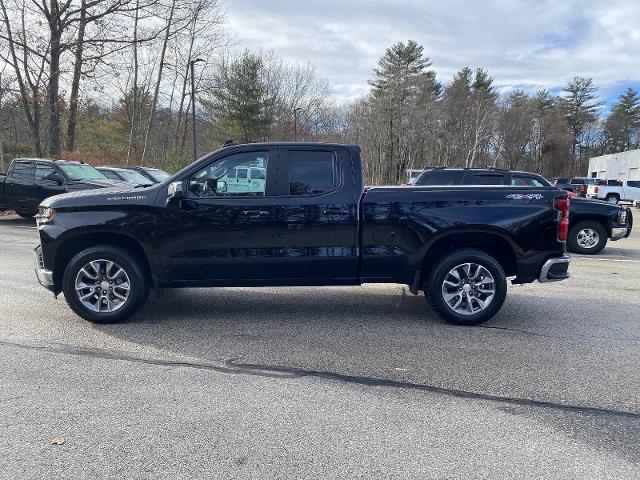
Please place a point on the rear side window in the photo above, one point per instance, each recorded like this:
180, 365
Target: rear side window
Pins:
484, 179
22, 170
520, 181
440, 177
311, 173
634, 183
43, 170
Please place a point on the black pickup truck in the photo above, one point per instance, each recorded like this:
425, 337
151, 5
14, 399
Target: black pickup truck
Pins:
591, 222
298, 214
30, 180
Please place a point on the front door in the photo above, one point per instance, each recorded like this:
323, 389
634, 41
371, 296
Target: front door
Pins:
316, 217
47, 188
222, 231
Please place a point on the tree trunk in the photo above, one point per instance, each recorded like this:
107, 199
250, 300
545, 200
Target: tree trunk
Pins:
54, 81
134, 109
75, 84
154, 102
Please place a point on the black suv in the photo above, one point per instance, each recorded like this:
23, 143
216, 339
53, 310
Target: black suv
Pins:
591, 222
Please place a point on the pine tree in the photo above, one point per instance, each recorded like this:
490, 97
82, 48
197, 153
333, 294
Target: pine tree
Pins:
581, 110
240, 101
622, 126
403, 92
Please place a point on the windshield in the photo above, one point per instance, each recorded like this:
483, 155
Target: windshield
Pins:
134, 177
81, 172
158, 175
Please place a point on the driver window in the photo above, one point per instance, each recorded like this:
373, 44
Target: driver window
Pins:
230, 176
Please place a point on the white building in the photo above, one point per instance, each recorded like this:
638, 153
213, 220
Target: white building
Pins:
616, 166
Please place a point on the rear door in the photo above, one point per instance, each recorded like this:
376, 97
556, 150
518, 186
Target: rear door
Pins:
21, 192
316, 217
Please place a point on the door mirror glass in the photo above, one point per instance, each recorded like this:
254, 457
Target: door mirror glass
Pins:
221, 186
175, 191
55, 177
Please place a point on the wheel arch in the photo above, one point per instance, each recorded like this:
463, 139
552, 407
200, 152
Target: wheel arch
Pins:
74, 244
592, 218
496, 243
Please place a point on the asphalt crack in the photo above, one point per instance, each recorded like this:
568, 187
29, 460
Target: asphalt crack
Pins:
234, 366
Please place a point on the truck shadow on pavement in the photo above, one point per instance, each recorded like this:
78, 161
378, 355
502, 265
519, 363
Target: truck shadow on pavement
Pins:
532, 354
15, 221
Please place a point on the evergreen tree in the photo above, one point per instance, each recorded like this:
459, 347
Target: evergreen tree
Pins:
240, 101
581, 110
622, 126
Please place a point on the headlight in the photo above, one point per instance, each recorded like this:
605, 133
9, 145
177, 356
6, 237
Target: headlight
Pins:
45, 215
622, 216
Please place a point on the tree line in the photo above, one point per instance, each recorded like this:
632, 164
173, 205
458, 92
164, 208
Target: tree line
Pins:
109, 81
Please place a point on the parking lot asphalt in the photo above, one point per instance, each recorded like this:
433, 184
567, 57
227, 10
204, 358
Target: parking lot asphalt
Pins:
324, 382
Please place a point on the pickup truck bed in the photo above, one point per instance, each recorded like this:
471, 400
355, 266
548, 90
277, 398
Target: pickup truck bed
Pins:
304, 220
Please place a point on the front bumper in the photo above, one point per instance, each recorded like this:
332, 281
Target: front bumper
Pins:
45, 277
618, 233
555, 269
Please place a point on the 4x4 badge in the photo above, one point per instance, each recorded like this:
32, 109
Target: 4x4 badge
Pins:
525, 196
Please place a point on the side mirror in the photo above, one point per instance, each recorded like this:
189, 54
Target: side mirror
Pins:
55, 177
175, 191
221, 186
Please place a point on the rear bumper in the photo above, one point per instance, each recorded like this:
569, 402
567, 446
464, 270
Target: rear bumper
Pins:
555, 269
44, 276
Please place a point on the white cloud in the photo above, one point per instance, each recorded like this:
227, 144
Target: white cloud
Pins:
530, 44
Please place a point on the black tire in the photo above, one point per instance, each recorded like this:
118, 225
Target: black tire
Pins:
139, 286
579, 245
433, 286
25, 214
612, 198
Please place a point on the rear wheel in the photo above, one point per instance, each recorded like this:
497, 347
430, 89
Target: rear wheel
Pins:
587, 238
612, 198
105, 284
467, 287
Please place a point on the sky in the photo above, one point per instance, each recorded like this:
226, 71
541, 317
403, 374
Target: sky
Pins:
526, 44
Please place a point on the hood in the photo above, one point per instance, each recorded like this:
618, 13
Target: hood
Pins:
589, 205
124, 194
106, 183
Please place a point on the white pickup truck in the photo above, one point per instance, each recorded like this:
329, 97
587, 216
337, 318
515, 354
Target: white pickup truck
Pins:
614, 191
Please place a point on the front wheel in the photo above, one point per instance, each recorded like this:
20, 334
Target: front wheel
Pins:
587, 238
467, 287
612, 198
104, 284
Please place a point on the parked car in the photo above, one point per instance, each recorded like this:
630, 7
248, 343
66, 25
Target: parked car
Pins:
578, 185
314, 224
30, 180
154, 174
122, 174
591, 223
622, 190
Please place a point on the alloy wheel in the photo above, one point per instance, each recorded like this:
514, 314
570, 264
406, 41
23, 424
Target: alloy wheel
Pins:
102, 286
468, 288
588, 238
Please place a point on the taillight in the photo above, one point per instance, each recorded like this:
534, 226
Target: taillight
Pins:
595, 189
562, 205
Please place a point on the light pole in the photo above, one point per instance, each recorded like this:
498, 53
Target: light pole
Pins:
295, 123
193, 104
